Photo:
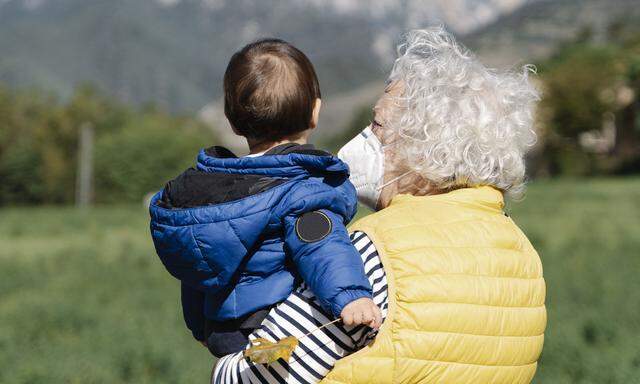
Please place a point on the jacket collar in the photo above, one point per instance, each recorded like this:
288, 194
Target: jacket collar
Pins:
486, 196
289, 162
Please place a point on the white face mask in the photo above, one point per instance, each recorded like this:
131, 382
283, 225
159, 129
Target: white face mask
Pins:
365, 156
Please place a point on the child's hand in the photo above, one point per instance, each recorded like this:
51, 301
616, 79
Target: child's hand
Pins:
362, 311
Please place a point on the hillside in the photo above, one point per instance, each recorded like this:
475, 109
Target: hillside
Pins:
533, 31
173, 52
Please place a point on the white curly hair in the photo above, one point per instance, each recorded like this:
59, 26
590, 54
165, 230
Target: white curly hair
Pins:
461, 124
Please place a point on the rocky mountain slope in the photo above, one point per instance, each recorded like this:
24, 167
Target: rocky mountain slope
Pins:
173, 52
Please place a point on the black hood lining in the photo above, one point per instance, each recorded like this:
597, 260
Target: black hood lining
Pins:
194, 188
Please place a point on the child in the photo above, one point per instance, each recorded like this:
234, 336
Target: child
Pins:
241, 233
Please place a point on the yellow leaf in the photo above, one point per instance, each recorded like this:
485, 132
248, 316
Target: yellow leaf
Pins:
263, 351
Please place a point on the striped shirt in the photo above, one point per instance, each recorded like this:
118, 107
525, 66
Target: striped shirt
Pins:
299, 314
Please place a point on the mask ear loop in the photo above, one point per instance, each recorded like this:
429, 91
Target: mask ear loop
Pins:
394, 180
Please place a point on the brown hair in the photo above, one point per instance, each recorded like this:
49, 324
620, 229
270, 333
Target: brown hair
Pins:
270, 88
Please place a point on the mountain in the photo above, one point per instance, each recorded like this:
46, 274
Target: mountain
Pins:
173, 52
534, 31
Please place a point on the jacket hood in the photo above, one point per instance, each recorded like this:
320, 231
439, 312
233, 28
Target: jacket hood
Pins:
220, 165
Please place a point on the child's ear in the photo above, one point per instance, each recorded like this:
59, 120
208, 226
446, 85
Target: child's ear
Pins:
316, 113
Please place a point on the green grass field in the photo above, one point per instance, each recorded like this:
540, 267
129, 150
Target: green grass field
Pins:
83, 298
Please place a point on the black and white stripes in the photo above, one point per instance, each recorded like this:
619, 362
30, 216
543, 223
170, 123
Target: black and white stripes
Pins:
299, 314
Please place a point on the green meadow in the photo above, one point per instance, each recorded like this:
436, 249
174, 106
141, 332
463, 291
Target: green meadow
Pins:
84, 299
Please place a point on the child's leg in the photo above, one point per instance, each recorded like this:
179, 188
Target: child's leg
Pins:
228, 337
301, 313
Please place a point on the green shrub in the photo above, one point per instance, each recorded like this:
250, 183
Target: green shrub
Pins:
143, 155
136, 151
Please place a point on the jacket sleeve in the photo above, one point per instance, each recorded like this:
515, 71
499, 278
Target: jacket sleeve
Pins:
331, 266
193, 310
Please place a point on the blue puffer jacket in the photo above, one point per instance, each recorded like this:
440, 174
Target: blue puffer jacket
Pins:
239, 256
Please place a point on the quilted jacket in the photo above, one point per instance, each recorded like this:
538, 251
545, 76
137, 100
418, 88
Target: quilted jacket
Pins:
241, 254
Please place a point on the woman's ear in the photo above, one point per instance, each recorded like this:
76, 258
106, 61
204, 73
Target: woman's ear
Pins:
315, 116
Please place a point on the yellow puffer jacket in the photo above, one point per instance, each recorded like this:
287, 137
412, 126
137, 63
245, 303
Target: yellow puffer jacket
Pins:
466, 294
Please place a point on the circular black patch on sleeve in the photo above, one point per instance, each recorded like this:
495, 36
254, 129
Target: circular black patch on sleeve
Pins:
313, 226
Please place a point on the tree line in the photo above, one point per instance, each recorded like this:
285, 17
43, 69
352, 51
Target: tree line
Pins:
589, 117
135, 151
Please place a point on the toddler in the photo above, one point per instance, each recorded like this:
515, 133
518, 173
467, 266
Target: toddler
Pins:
240, 233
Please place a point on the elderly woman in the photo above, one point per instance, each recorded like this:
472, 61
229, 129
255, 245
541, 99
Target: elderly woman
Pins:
459, 284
